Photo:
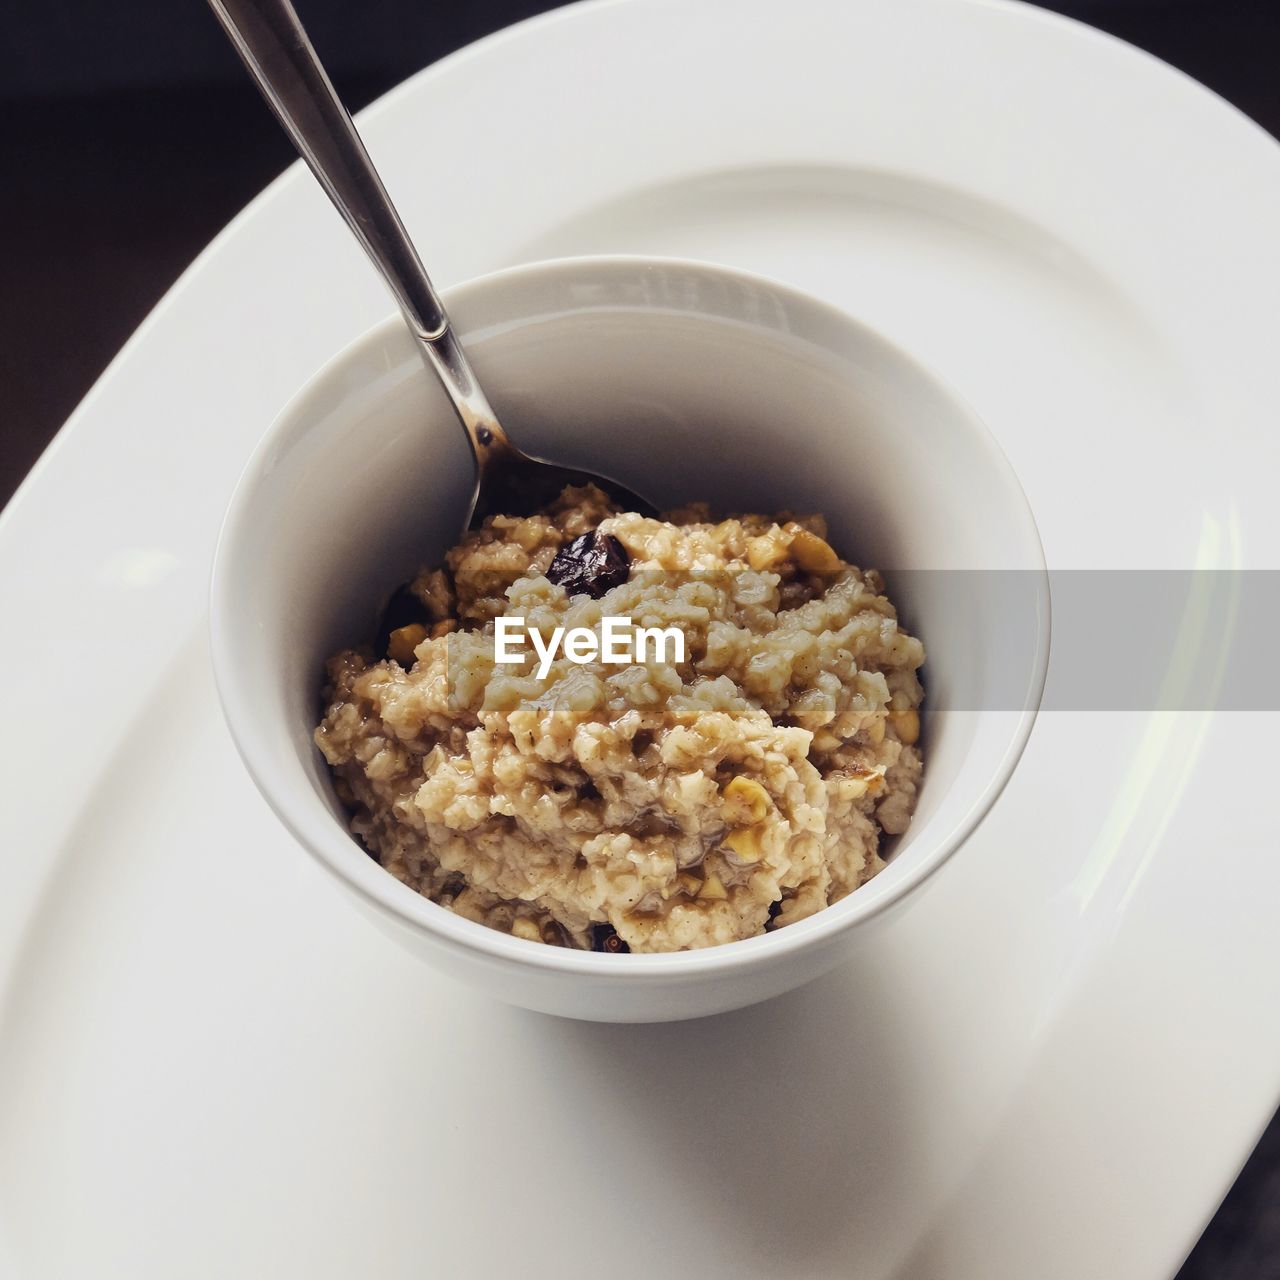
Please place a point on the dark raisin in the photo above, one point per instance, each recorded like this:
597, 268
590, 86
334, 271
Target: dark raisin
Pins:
590, 565
403, 610
604, 937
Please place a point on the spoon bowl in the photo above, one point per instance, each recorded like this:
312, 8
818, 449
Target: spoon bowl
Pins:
283, 63
516, 484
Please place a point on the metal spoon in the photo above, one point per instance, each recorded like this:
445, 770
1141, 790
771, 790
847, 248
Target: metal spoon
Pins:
279, 55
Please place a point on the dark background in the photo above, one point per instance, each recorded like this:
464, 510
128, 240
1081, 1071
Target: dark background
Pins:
131, 135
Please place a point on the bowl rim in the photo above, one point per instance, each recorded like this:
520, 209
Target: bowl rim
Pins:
332, 846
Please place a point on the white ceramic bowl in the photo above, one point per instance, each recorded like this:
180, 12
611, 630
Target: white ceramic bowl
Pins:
685, 381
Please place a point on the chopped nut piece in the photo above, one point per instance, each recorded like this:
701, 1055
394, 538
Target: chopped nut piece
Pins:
713, 889
812, 553
403, 641
875, 731
825, 740
689, 883
745, 843
852, 787
524, 927
858, 782
745, 802
906, 724
766, 551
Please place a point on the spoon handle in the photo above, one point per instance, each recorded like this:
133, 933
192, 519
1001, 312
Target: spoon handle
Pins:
270, 39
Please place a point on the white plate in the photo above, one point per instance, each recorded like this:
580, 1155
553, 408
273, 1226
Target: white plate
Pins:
1051, 1067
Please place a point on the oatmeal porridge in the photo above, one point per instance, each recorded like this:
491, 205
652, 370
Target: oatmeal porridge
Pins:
659, 804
